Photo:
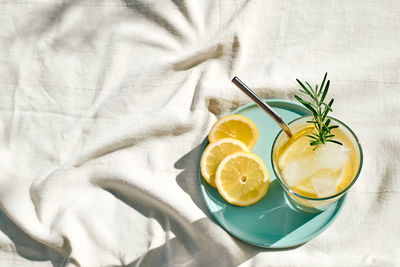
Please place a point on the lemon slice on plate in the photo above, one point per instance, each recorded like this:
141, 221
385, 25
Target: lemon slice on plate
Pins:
242, 178
237, 127
214, 153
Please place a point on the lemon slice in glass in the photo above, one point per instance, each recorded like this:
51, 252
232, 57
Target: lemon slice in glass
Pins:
242, 178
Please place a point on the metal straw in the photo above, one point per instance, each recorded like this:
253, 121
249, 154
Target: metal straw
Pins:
262, 105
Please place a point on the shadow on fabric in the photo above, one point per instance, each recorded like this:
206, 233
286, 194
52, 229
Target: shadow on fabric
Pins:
212, 247
29, 248
202, 242
188, 179
205, 243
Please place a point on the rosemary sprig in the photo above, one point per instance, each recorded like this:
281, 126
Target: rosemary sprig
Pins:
320, 110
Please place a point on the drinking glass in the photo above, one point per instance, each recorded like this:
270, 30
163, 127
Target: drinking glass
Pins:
306, 203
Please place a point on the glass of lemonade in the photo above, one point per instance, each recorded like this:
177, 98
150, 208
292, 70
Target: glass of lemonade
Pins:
315, 178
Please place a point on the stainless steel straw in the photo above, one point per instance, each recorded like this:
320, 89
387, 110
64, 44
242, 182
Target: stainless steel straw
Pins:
263, 105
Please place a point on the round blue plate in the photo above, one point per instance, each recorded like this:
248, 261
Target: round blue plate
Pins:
271, 222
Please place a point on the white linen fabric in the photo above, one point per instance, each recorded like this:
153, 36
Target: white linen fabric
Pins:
104, 105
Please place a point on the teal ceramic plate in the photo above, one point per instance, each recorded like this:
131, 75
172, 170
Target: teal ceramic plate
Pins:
271, 222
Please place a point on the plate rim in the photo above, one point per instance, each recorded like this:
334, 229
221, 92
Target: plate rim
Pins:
301, 241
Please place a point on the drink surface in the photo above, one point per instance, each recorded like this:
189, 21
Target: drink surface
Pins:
319, 172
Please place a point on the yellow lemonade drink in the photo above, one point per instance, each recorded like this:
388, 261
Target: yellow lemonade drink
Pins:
316, 176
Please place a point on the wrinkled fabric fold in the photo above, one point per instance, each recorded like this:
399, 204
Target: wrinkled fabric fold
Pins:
104, 106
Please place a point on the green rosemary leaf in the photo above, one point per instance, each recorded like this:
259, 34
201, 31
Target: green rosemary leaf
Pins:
327, 122
311, 89
315, 143
312, 137
327, 110
306, 104
301, 100
322, 84
326, 125
333, 127
325, 91
330, 103
302, 85
334, 141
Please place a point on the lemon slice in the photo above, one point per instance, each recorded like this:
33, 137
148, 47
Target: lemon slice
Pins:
345, 177
214, 153
237, 127
294, 147
242, 178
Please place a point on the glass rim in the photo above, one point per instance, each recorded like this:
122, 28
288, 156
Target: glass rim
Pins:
287, 188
